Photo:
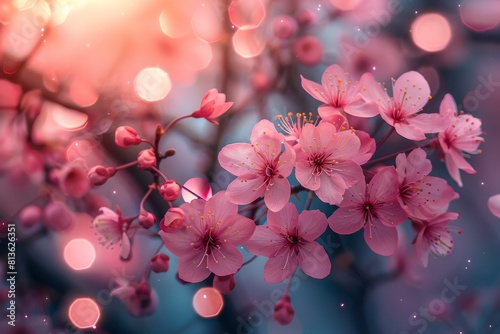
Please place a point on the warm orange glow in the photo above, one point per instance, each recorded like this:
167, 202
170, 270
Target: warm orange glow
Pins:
152, 84
174, 25
24, 4
248, 43
208, 302
431, 32
345, 5
67, 118
84, 313
246, 14
79, 254
82, 94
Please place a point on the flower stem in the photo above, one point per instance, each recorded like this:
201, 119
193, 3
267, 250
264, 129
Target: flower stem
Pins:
159, 172
392, 155
249, 260
141, 206
385, 137
309, 200
169, 125
127, 165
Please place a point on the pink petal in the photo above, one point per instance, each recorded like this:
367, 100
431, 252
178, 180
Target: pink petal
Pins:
409, 131
264, 127
391, 213
360, 108
332, 188
347, 220
350, 172
333, 77
235, 230
178, 242
430, 123
307, 142
267, 147
246, 189
433, 199
284, 220
448, 107
221, 109
343, 146
372, 92
421, 249
193, 211
314, 261
494, 205
413, 168
382, 239
193, 267
278, 194
460, 161
280, 267
367, 148
453, 169
125, 247
265, 242
315, 90
220, 207
328, 112
237, 158
304, 171
412, 90
226, 261
311, 224
383, 186
286, 160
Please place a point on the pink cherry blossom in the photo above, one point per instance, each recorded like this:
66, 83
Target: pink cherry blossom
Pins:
324, 161
213, 105
126, 136
207, 241
338, 94
288, 241
173, 220
433, 237
376, 208
112, 230
411, 93
138, 298
261, 168
73, 178
293, 128
494, 205
422, 196
462, 136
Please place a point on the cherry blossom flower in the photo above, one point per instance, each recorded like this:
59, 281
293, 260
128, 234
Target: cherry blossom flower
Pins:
308, 50
213, 105
138, 298
283, 310
126, 136
338, 94
73, 178
422, 196
261, 168
288, 241
376, 208
411, 93
324, 161
433, 237
207, 241
463, 135
112, 229
293, 128
173, 220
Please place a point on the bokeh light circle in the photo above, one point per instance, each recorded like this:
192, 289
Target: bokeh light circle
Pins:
345, 5
84, 312
208, 302
246, 13
79, 254
248, 43
152, 84
431, 32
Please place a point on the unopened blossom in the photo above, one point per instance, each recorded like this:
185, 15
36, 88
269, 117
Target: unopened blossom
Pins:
261, 167
225, 284
324, 161
288, 240
460, 138
213, 105
126, 136
138, 297
283, 310
173, 220
421, 195
146, 219
57, 216
308, 50
433, 237
98, 175
410, 94
160, 263
146, 159
339, 94
376, 208
73, 179
112, 230
170, 190
207, 241
30, 215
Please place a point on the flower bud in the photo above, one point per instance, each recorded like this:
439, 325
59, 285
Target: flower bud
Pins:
30, 215
212, 106
98, 175
225, 284
126, 136
173, 220
146, 219
308, 50
283, 310
160, 263
146, 159
170, 190
58, 216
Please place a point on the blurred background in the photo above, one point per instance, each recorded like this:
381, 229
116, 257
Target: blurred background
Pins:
75, 70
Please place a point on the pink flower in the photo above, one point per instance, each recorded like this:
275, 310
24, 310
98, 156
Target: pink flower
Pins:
213, 105
338, 94
146, 219
376, 208
139, 298
98, 175
324, 161
367, 148
57, 216
73, 179
207, 241
433, 236
293, 128
126, 136
411, 93
283, 310
261, 168
421, 195
225, 284
463, 135
308, 50
112, 229
30, 215
173, 220
170, 190
288, 241
160, 263
146, 159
